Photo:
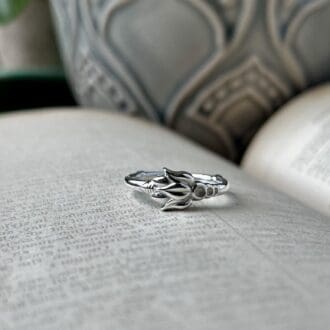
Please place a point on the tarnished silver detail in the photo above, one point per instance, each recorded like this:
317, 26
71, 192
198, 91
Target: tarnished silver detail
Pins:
179, 188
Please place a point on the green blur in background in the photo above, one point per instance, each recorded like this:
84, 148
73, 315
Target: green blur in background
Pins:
9, 9
31, 84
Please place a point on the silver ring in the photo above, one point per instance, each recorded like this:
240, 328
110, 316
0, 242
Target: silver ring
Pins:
179, 188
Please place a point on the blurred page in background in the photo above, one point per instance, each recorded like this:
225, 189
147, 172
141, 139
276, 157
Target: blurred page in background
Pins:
292, 151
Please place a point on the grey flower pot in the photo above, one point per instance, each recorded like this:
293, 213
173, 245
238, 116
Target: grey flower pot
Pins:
213, 70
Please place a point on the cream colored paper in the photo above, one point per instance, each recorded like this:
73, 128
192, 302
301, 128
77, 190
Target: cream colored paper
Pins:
80, 250
292, 151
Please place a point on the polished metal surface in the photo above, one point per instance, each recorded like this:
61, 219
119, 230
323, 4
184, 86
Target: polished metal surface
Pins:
179, 188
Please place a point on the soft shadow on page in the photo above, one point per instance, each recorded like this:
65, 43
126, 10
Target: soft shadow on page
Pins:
80, 250
226, 201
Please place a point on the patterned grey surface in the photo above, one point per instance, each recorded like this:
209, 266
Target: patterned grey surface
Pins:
213, 70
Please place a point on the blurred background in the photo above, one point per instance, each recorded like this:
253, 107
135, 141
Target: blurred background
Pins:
213, 70
31, 74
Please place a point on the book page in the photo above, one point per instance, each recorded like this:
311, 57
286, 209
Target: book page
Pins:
292, 151
80, 250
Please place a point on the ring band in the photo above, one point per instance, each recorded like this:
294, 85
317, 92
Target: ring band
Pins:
179, 188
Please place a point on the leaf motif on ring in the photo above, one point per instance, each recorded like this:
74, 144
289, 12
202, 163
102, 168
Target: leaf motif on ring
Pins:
178, 190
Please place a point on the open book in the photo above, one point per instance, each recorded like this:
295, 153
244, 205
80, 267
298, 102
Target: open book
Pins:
80, 250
